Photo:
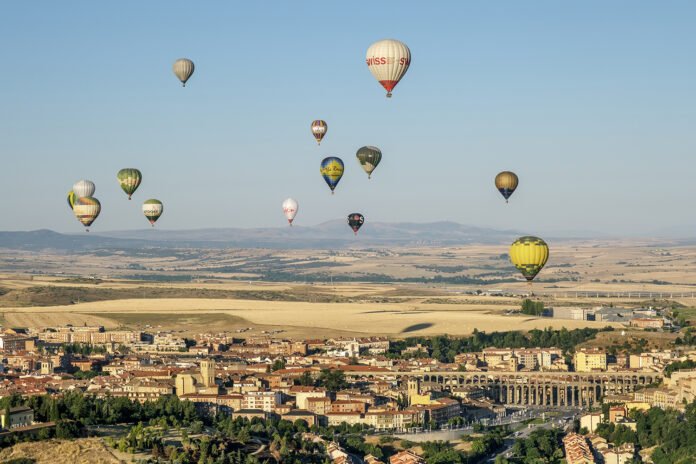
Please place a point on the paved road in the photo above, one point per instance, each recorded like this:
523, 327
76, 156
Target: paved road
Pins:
559, 422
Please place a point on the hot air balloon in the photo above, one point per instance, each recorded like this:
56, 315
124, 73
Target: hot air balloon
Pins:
506, 183
332, 171
153, 210
319, 129
86, 210
183, 68
529, 254
388, 61
83, 188
129, 179
290, 209
71, 199
355, 221
369, 157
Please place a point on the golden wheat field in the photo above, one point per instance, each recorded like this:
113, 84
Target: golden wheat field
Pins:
450, 290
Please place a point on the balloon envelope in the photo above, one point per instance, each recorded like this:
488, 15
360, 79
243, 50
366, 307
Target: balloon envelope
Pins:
71, 199
290, 209
388, 60
129, 179
84, 188
529, 254
332, 171
319, 129
369, 157
183, 68
506, 183
86, 210
152, 209
355, 221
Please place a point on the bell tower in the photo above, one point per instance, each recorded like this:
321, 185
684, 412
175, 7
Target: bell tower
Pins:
208, 372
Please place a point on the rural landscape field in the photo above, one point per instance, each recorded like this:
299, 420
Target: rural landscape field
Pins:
416, 291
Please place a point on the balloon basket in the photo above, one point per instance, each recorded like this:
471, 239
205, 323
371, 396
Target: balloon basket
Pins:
388, 94
332, 192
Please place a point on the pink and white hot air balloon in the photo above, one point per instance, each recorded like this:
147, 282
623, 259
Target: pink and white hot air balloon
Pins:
290, 209
388, 60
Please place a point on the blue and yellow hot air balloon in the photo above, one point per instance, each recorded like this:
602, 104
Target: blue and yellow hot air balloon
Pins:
332, 171
529, 254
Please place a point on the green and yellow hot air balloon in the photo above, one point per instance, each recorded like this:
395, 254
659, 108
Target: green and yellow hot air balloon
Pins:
529, 254
152, 209
129, 179
71, 198
369, 157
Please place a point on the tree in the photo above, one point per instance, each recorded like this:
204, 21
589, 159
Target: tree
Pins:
533, 308
332, 380
278, 365
305, 379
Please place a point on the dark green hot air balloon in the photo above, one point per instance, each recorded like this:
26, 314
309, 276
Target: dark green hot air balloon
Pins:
129, 179
369, 157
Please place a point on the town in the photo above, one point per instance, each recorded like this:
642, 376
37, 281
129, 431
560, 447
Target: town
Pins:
418, 388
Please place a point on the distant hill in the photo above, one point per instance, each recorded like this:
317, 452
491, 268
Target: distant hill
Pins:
331, 234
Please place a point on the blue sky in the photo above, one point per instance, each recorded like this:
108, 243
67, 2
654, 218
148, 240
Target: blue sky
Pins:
592, 104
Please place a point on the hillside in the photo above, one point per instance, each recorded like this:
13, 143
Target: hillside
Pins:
329, 235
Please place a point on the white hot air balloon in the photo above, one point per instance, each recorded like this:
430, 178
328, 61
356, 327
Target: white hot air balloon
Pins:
83, 188
290, 209
183, 68
388, 60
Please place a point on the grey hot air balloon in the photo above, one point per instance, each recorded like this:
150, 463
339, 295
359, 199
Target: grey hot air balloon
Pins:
83, 188
183, 68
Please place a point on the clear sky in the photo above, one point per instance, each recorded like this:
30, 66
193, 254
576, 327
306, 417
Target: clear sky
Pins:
592, 104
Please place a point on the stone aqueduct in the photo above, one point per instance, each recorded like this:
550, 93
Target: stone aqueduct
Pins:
531, 388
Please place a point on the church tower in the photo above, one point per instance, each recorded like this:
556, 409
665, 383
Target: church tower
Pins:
413, 389
208, 372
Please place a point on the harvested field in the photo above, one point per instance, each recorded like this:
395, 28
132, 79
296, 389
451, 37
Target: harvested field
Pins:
306, 319
63, 318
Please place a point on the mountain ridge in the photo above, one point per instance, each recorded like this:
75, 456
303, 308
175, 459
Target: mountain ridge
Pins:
330, 234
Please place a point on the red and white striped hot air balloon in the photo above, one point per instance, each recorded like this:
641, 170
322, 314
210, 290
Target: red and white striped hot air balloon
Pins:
388, 60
